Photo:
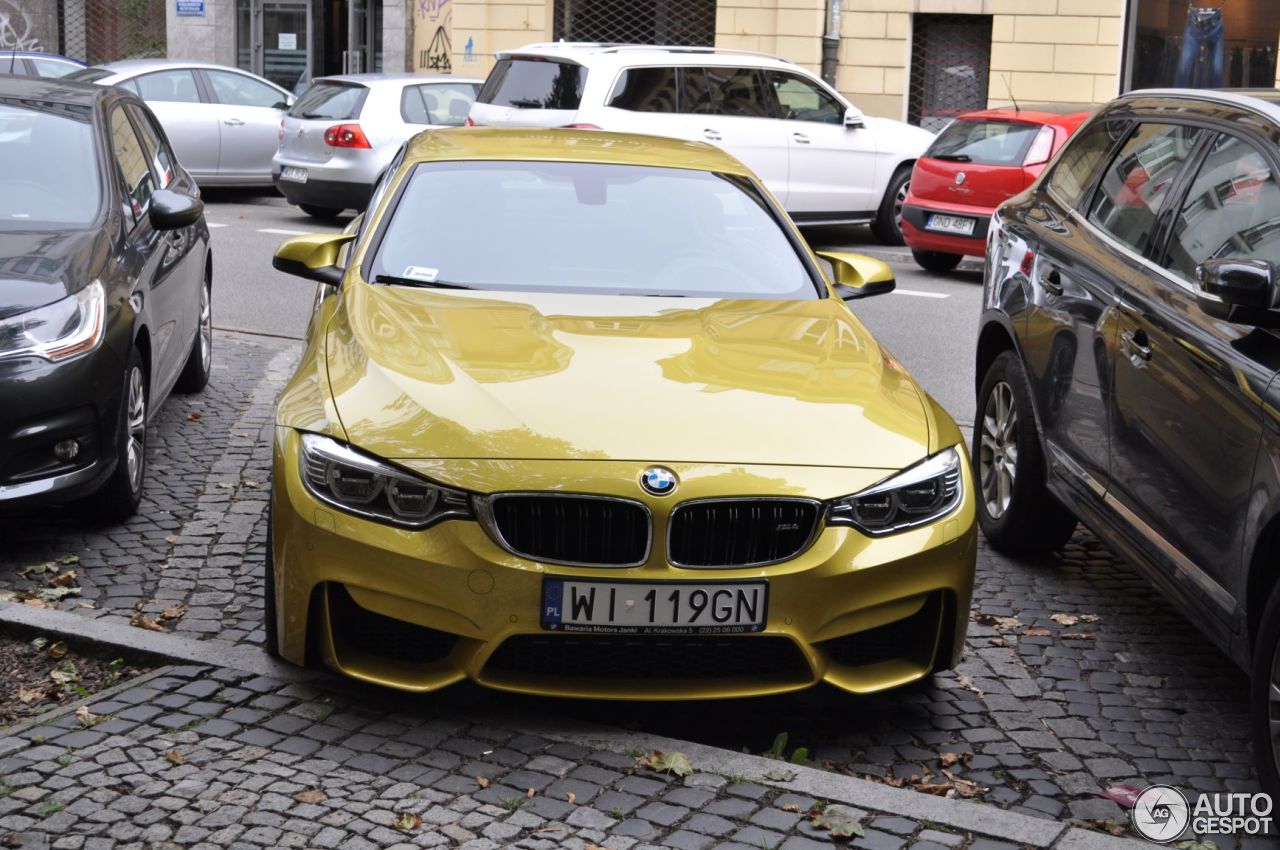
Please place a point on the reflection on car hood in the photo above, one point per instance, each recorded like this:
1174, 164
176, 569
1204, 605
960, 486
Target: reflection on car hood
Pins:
423, 374
38, 267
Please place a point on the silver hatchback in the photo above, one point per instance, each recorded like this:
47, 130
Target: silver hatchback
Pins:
343, 131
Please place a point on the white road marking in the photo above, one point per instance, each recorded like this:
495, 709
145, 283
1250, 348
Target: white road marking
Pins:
215, 224
920, 294
284, 232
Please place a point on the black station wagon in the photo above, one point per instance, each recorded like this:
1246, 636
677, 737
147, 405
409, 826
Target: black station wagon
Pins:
1127, 364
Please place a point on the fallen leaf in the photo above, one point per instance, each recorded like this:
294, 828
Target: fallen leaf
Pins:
482, 781
676, 763
791, 807
939, 789
837, 823
57, 650
175, 757
1065, 619
54, 594
171, 538
192, 416
30, 695
1036, 631
311, 795
65, 673
40, 642
948, 759
965, 788
84, 603
998, 642
173, 612
36, 603
1077, 636
142, 621
406, 821
87, 717
530, 793
1104, 825
67, 560
1196, 845
1090, 618
780, 775
571, 797
1125, 795
38, 569
63, 579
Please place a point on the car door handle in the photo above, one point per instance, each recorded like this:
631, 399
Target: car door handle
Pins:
1052, 282
712, 135
800, 138
233, 122
1137, 344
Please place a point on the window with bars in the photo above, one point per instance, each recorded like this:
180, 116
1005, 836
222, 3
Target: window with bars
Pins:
677, 22
950, 67
96, 32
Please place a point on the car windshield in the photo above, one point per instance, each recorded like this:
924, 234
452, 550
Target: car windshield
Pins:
588, 228
48, 173
332, 101
984, 142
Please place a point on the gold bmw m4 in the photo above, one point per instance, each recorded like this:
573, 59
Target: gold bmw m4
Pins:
581, 414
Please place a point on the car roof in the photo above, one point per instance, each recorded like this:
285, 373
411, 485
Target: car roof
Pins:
646, 54
36, 54
373, 79
1265, 101
517, 144
136, 66
54, 90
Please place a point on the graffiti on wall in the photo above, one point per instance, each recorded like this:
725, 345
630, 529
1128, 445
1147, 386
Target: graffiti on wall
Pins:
16, 27
434, 17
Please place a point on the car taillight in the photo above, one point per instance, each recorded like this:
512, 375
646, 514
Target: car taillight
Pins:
468, 122
1041, 148
583, 127
345, 136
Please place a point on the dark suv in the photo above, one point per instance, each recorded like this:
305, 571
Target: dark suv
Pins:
1127, 364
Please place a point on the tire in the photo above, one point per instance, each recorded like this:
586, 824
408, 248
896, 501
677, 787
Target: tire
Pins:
1017, 513
270, 629
323, 213
937, 261
118, 499
195, 374
888, 224
1265, 675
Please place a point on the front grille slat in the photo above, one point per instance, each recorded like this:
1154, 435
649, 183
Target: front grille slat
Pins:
569, 529
740, 532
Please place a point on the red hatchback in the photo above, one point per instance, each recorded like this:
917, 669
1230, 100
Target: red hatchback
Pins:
977, 162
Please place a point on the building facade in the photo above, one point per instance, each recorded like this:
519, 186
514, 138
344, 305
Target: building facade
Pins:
918, 60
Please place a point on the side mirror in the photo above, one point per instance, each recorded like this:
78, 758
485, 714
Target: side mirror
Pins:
1239, 291
313, 257
853, 119
173, 210
858, 276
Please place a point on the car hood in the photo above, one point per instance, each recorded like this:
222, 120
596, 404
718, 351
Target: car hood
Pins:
423, 374
38, 267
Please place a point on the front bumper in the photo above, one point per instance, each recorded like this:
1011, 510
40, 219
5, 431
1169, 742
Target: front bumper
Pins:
420, 610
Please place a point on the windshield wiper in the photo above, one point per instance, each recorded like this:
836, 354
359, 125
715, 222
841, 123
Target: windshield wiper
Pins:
952, 157
397, 280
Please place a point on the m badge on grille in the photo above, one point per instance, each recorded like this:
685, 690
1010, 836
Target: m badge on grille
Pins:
658, 480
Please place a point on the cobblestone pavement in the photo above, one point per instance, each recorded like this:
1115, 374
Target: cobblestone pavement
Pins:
1078, 675
213, 758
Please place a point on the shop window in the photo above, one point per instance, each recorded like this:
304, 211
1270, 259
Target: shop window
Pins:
1202, 44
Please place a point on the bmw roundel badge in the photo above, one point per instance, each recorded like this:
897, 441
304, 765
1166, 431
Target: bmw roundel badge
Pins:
658, 480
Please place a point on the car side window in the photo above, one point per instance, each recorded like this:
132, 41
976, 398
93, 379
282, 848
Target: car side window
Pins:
157, 148
440, 104
239, 90
1138, 180
645, 90
131, 158
737, 92
800, 100
1081, 159
1232, 210
52, 67
177, 86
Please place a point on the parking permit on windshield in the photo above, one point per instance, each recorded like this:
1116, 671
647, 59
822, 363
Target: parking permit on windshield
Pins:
421, 273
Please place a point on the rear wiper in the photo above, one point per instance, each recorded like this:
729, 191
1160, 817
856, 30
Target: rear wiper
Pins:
397, 280
952, 157
526, 103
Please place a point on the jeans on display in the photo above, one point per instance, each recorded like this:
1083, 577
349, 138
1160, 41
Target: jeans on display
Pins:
1204, 29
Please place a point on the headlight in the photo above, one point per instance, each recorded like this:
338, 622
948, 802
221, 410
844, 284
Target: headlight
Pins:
357, 483
59, 330
919, 494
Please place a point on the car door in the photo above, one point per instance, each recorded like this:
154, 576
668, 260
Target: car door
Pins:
182, 260
831, 168
149, 248
190, 123
730, 107
249, 112
1070, 286
1188, 408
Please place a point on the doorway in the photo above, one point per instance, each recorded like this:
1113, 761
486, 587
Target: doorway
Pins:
273, 40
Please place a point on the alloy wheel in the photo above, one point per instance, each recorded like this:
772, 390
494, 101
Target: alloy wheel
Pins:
136, 412
206, 329
998, 452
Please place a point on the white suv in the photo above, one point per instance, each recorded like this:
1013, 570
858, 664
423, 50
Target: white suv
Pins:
819, 155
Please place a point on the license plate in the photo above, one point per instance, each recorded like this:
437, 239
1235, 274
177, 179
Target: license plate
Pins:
290, 172
951, 224
669, 608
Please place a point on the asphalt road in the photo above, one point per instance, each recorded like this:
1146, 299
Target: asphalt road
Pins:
929, 324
